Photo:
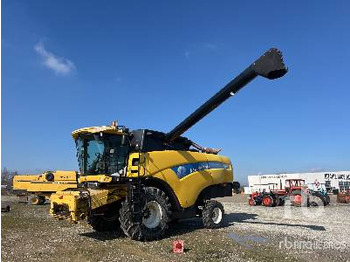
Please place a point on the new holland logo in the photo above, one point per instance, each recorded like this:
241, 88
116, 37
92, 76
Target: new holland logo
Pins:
184, 170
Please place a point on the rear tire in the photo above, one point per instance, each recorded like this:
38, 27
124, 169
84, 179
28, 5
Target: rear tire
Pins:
213, 214
155, 219
268, 201
298, 200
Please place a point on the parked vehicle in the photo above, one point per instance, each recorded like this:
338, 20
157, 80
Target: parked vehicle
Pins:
295, 191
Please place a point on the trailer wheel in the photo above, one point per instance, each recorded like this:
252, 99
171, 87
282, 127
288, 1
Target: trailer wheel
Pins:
156, 215
108, 221
7, 208
42, 200
49, 176
213, 214
34, 200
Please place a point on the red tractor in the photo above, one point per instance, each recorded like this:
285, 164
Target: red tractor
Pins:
255, 199
274, 198
297, 192
269, 199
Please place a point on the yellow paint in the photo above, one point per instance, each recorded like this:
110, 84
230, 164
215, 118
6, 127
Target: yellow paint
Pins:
159, 163
38, 184
95, 178
78, 202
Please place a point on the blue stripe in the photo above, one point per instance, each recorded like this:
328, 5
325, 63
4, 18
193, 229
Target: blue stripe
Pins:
186, 169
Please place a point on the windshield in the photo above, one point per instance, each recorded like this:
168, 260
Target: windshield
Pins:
101, 153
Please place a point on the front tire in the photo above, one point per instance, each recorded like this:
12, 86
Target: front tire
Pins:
213, 214
252, 202
155, 216
317, 199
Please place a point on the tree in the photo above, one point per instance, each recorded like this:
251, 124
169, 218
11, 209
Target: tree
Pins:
4, 176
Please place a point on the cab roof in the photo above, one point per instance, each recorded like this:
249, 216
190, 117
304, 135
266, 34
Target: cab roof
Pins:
98, 129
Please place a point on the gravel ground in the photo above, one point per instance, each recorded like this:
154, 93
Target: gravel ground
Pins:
251, 234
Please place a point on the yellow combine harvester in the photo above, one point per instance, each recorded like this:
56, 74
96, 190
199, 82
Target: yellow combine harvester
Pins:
140, 180
42, 186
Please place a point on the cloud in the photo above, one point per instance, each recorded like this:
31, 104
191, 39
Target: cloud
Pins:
60, 65
317, 169
201, 49
210, 46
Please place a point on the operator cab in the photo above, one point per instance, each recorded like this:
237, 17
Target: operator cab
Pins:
101, 153
294, 183
101, 150
104, 150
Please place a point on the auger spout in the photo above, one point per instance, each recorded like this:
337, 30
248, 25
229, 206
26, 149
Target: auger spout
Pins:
270, 65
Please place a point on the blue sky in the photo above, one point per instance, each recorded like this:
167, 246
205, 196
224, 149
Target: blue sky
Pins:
148, 64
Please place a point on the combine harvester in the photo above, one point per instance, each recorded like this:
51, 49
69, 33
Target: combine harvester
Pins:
40, 187
140, 180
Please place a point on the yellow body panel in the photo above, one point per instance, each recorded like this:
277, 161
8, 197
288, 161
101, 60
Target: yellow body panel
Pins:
76, 202
50, 186
159, 164
96, 178
221, 176
65, 176
68, 199
37, 183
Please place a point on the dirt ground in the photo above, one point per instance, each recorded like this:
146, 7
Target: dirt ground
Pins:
251, 234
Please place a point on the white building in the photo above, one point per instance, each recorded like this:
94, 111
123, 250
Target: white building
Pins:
330, 181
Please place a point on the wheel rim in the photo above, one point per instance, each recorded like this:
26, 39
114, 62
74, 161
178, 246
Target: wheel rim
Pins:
34, 200
217, 215
267, 201
297, 199
153, 215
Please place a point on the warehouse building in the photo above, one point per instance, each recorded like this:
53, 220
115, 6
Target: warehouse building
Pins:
330, 181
